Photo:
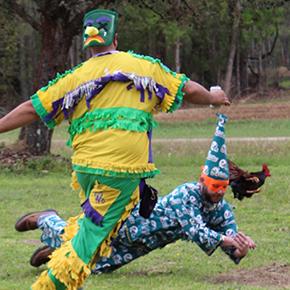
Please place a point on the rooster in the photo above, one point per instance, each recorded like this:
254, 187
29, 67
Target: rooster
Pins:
244, 183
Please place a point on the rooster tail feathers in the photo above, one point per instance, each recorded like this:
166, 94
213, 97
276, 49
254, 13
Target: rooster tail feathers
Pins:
266, 170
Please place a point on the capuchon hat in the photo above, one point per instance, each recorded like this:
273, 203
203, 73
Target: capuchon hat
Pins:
216, 164
99, 27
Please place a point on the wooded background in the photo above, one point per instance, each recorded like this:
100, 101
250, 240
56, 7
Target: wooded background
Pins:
242, 45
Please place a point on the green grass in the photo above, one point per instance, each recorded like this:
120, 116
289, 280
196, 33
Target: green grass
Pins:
241, 128
285, 84
182, 265
204, 129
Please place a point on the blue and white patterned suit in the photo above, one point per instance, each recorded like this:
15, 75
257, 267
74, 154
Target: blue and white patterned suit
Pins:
183, 214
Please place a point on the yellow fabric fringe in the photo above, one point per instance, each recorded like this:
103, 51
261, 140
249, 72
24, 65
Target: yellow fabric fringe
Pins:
67, 267
105, 247
76, 186
74, 181
167, 103
71, 228
43, 283
169, 99
125, 168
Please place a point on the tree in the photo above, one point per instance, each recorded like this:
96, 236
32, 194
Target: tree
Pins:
57, 22
235, 10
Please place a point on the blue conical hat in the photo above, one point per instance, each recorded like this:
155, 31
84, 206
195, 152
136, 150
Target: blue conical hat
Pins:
216, 164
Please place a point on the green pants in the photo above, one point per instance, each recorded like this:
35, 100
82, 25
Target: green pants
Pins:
109, 201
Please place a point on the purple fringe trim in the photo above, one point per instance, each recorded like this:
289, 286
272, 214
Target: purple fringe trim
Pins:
91, 213
150, 158
141, 187
92, 88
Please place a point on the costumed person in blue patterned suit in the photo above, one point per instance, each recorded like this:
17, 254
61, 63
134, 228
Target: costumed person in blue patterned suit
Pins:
194, 211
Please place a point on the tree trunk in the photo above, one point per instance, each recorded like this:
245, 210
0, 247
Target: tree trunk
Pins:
238, 75
260, 70
57, 23
53, 58
177, 55
233, 46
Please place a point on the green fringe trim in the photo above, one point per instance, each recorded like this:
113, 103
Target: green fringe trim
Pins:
40, 110
104, 172
179, 95
112, 118
152, 60
60, 76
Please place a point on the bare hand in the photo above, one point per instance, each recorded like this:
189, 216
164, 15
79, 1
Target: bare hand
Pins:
229, 242
252, 244
244, 244
219, 98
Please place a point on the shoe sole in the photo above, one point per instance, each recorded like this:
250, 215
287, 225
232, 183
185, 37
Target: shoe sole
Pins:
33, 260
25, 216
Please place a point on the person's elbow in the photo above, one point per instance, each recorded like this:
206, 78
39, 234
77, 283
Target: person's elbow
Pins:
29, 110
189, 88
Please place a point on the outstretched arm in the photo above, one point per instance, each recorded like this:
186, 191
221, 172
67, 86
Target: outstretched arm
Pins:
197, 94
22, 115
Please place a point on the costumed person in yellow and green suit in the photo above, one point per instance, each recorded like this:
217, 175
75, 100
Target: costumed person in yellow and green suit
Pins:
109, 101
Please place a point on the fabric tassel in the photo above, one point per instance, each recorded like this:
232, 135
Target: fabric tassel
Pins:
72, 227
67, 267
74, 181
147, 171
43, 282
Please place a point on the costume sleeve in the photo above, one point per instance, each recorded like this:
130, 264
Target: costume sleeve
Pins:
174, 84
48, 101
228, 227
193, 226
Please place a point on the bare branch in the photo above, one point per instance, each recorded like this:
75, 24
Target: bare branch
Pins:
272, 46
253, 71
146, 5
20, 11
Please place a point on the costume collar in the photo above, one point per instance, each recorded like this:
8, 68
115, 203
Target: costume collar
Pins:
105, 53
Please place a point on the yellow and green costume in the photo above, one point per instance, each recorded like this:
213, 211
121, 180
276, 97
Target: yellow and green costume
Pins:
109, 102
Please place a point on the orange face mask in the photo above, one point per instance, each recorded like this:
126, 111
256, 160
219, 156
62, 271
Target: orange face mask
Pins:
215, 185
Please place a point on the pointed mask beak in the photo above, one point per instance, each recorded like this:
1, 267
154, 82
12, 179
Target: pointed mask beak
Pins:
91, 31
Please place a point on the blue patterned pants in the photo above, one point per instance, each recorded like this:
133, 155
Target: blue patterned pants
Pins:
123, 251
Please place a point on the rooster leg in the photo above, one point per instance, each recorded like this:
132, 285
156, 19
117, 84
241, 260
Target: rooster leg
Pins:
253, 191
253, 178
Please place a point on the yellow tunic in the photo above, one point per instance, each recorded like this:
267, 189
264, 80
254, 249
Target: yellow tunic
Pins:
109, 101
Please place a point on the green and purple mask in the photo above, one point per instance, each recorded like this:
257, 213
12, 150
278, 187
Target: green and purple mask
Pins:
99, 27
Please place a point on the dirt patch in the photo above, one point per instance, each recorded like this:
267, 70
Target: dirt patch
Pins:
16, 158
234, 112
31, 242
274, 275
10, 157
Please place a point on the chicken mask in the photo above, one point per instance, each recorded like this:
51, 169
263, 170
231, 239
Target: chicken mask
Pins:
216, 169
99, 27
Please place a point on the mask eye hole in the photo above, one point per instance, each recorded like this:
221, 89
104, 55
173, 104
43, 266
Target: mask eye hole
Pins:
89, 22
102, 25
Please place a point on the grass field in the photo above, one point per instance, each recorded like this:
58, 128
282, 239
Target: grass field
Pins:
201, 129
182, 265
